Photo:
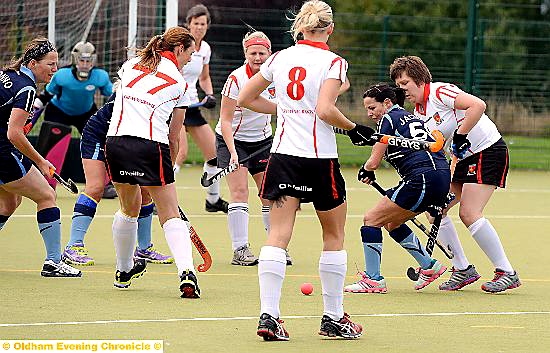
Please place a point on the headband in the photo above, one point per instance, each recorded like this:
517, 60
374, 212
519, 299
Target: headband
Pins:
257, 41
38, 51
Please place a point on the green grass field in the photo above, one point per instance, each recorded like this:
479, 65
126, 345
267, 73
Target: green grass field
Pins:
225, 318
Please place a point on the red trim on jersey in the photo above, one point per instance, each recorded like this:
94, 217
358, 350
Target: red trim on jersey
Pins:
338, 59
249, 72
448, 92
282, 133
504, 171
161, 170
421, 108
170, 56
333, 181
273, 58
315, 136
240, 122
233, 79
479, 166
121, 111
151, 124
320, 45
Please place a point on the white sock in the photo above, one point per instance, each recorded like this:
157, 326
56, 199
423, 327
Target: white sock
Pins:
179, 241
487, 238
265, 218
333, 267
124, 238
213, 191
237, 219
448, 237
271, 273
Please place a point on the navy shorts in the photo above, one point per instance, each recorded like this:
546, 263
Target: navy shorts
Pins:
421, 191
489, 167
14, 165
92, 142
244, 149
316, 180
137, 161
193, 117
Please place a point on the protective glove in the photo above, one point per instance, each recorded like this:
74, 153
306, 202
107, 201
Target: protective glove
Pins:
460, 144
210, 102
360, 135
363, 173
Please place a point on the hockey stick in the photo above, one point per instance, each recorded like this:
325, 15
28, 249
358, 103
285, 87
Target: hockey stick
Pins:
67, 184
419, 225
398, 141
28, 127
199, 245
196, 105
205, 181
432, 238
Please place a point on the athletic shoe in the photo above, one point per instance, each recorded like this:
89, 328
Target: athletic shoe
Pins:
189, 286
124, 279
109, 192
77, 254
271, 329
242, 256
501, 282
344, 327
367, 285
460, 278
220, 205
153, 255
288, 258
59, 269
427, 276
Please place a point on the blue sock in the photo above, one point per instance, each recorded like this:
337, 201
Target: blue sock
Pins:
83, 213
49, 224
3, 220
372, 249
144, 225
409, 241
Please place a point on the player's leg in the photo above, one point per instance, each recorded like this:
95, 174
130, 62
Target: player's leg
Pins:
145, 249
206, 141
8, 204
33, 186
183, 149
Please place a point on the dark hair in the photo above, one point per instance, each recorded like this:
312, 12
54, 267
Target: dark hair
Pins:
174, 36
197, 11
36, 49
413, 66
382, 91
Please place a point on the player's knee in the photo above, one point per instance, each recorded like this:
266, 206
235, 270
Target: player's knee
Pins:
468, 216
370, 219
239, 194
95, 191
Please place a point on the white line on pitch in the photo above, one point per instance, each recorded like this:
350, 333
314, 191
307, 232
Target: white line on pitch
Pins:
104, 322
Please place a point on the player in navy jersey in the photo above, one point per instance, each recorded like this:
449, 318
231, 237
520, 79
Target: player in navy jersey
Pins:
425, 178
481, 158
92, 150
18, 176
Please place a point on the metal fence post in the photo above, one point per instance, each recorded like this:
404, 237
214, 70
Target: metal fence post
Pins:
470, 44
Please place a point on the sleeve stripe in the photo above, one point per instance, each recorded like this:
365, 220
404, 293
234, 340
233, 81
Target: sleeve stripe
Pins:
30, 92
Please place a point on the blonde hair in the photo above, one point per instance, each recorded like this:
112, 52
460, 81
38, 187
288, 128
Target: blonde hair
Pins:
314, 15
174, 36
255, 34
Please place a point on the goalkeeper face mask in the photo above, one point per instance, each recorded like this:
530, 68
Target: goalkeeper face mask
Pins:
83, 58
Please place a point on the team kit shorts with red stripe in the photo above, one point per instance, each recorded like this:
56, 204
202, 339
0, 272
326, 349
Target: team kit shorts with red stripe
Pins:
244, 149
489, 167
137, 161
316, 180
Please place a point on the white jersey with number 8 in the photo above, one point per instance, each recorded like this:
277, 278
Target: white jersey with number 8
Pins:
298, 73
145, 100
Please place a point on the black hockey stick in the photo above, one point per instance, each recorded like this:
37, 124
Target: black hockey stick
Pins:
205, 181
67, 184
432, 238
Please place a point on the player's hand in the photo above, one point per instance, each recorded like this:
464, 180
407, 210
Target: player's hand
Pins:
46, 167
366, 176
460, 144
209, 101
234, 157
360, 135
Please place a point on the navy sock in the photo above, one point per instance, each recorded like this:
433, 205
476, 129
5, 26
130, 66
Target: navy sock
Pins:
49, 224
409, 241
83, 214
144, 226
3, 220
372, 249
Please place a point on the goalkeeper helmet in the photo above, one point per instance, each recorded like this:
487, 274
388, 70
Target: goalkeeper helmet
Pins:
83, 57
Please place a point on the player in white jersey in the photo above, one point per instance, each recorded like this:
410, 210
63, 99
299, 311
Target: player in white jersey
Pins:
198, 70
142, 142
481, 158
239, 133
303, 166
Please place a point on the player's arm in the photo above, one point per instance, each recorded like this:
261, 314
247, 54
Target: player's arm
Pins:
250, 96
376, 156
227, 112
205, 82
176, 123
474, 107
326, 107
17, 137
345, 86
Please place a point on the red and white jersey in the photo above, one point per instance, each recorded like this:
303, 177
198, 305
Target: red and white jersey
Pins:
439, 113
193, 69
145, 100
247, 125
298, 73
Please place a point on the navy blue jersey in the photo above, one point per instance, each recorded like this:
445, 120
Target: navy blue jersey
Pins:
408, 162
98, 124
17, 90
